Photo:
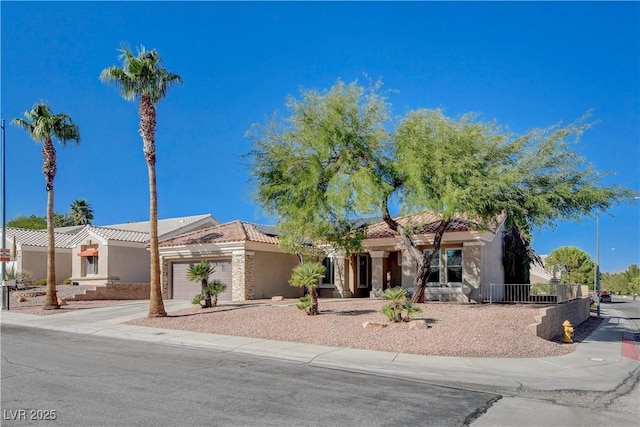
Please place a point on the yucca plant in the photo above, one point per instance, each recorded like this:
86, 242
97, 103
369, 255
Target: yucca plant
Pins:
308, 275
20, 276
399, 309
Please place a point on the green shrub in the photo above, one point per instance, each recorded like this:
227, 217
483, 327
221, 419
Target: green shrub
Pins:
67, 281
544, 289
399, 309
304, 303
197, 300
308, 276
20, 276
214, 289
41, 282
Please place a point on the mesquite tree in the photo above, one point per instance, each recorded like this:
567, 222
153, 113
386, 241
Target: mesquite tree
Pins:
339, 156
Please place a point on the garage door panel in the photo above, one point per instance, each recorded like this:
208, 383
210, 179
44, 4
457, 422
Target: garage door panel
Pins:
185, 289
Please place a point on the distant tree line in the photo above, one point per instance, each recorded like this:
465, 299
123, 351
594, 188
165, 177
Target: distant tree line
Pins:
625, 283
80, 213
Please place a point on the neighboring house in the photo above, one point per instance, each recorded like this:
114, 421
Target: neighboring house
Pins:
468, 257
96, 254
539, 273
246, 258
119, 253
29, 252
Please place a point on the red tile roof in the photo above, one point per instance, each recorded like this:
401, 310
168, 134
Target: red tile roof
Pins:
423, 223
234, 231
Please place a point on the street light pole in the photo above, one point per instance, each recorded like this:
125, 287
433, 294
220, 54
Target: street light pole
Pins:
4, 209
597, 278
3, 289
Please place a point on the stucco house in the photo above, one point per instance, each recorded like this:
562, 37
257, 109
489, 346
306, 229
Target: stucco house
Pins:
95, 255
246, 258
468, 257
29, 252
118, 253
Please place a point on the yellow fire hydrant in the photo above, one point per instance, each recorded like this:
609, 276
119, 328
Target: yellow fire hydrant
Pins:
567, 336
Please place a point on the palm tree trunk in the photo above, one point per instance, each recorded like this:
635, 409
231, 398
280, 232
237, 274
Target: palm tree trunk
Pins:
147, 131
313, 293
206, 295
49, 170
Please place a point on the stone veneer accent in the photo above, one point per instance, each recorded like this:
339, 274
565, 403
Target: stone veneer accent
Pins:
164, 278
243, 276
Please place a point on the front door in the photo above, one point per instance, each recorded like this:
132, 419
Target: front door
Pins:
363, 275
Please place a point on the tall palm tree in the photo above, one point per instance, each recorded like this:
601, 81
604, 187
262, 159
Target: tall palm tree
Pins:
43, 126
143, 78
81, 212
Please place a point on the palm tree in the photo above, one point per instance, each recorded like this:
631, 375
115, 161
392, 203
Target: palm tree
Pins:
144, 78
43, 126
200, 273
308, 275
81, 212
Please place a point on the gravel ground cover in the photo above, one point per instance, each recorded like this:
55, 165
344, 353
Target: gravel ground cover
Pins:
473, 330
443, 329
34, 300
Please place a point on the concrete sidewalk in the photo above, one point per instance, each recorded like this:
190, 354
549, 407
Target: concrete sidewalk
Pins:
597, 364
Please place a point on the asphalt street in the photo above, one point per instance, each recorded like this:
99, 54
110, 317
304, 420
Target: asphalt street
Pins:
92, 369
88, 380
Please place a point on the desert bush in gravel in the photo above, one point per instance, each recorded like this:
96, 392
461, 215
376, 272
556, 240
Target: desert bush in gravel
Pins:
399, 309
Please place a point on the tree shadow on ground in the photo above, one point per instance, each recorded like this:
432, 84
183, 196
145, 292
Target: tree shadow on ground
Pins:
348, 312
212, 310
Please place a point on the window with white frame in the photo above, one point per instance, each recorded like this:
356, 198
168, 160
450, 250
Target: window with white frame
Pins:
454, 266
91, 265
329, 271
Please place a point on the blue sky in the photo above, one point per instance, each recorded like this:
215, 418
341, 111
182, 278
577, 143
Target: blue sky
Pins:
523, 64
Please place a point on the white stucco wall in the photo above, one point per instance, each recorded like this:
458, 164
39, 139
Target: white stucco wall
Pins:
492, 266
34, 259
131, 265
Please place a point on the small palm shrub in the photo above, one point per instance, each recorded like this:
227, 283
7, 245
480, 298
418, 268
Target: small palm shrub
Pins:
214, 289
197, 299
304, 303
399, 309
308, 275
200, 273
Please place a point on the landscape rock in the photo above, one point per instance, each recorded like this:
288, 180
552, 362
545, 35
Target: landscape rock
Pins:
61, 302
277, 298
418, 324
374, 325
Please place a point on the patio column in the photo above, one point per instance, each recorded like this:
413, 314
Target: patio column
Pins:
340, 276
378, 277
409, 270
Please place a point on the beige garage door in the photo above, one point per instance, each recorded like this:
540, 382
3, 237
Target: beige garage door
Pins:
184, 289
